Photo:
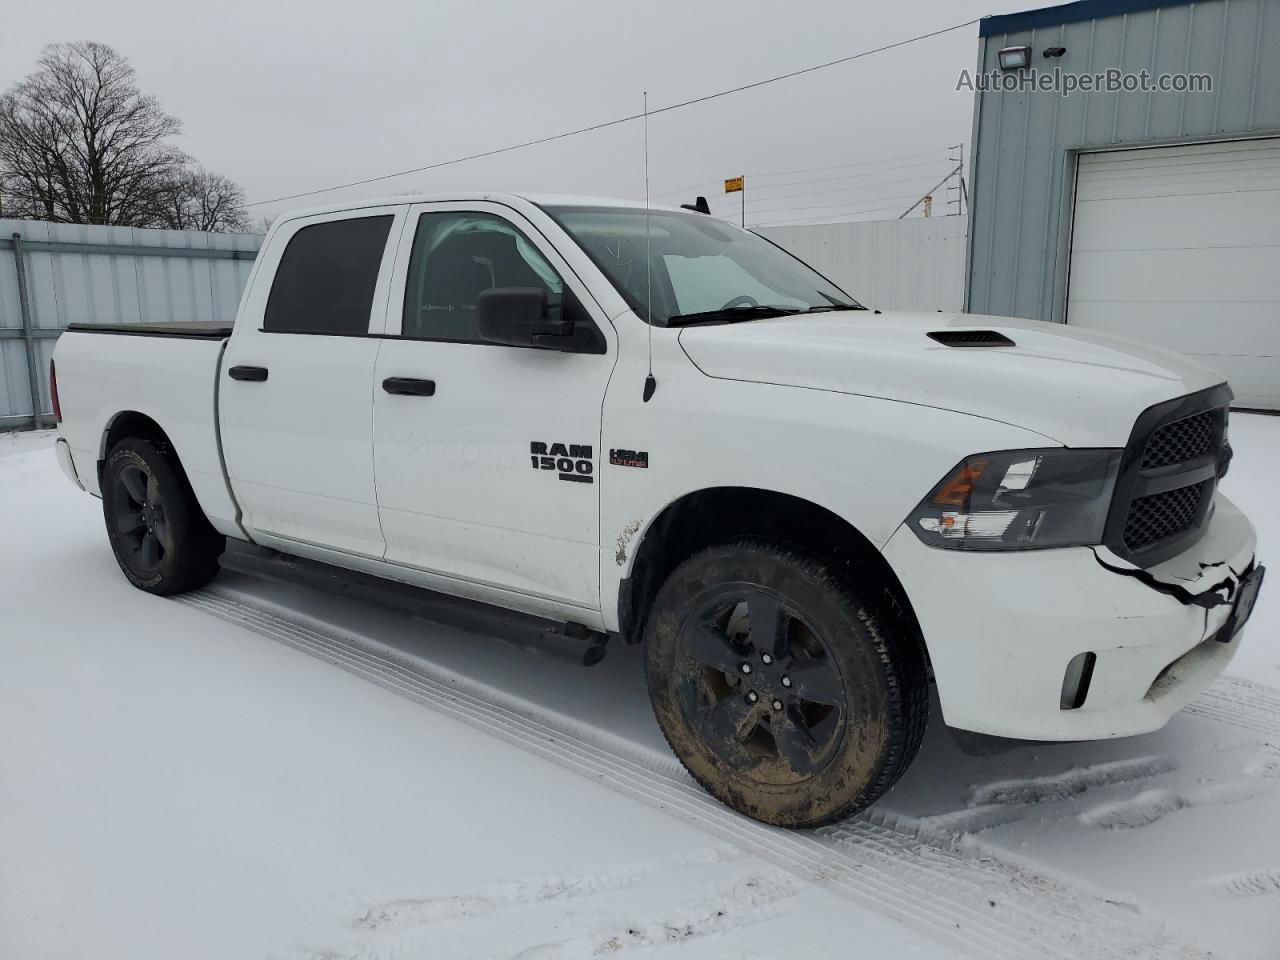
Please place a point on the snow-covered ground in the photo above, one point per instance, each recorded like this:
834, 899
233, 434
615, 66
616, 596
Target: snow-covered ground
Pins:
264, 769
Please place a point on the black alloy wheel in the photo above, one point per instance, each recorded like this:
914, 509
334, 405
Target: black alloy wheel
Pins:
161, 538
764, 690
140, 519
793, 689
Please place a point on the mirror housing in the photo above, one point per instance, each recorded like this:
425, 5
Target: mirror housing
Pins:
517, 316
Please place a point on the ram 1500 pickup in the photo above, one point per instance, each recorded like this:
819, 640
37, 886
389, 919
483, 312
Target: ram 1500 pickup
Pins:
654, 424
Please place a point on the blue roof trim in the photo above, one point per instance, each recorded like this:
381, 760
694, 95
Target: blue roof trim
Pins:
1068, 13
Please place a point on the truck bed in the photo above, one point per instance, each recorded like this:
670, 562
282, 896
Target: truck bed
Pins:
187, 331
164, 372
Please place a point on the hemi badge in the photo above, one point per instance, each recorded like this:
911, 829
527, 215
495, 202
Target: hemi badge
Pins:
629, 458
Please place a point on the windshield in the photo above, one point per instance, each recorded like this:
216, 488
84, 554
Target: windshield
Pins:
699, 265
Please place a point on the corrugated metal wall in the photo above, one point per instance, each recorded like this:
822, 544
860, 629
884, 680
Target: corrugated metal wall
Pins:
108, 275
1026, 143
915, 264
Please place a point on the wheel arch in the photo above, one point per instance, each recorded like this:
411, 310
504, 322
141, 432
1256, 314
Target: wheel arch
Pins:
715, 515
132, 423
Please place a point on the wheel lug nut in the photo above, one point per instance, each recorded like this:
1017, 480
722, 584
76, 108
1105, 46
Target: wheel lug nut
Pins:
766, 658
746, 668
777, 704
786, 681
752, 696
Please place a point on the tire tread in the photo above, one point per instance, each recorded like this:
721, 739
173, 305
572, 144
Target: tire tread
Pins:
898, 647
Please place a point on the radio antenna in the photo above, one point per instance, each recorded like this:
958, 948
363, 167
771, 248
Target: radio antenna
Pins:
650, 384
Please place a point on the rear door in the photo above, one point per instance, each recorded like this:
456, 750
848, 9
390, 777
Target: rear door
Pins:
296, 383
490, 476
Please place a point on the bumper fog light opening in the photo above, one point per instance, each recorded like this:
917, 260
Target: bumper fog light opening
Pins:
1075, 682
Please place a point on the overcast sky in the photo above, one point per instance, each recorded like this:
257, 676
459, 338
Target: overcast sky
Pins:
286, 97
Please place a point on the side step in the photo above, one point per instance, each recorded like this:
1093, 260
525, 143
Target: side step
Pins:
568, 642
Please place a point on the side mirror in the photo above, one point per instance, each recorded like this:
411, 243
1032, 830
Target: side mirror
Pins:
517, 316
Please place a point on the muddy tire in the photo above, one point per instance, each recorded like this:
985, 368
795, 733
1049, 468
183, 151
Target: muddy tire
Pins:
790, 693
158, 533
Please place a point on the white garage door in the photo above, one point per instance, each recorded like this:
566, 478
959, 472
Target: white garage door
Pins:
1180, 246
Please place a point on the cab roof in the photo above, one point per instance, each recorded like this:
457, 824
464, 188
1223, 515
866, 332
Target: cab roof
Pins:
511, 199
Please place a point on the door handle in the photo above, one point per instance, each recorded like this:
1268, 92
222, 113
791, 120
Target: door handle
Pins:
409, 387
256, 374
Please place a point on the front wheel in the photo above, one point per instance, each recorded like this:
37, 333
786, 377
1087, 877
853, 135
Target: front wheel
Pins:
789, 693
158, 533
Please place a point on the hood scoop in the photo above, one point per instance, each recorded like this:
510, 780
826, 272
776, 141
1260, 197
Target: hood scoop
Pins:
970, 338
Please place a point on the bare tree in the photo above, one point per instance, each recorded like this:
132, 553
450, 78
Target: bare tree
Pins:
80, 143
195, 199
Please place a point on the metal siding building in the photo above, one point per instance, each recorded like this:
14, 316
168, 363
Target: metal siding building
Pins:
1039, 156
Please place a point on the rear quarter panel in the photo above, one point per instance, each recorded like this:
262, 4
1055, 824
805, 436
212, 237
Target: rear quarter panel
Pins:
170, 380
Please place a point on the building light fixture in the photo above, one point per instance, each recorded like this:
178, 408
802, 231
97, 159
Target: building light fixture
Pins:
1014, 58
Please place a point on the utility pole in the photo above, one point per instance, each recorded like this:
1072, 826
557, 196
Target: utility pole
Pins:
961, 201
929, 196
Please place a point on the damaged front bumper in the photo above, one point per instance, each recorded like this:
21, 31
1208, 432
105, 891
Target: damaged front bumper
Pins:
1009, 633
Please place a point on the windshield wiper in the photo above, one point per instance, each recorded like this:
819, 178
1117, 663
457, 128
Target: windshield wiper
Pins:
828, 308
731, 315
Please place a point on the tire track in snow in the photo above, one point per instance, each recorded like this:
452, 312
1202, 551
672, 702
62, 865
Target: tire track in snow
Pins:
494, 897
980, 907
1025, 791
754, 900
1241, 703
1152, 805
1253, 883
726, 906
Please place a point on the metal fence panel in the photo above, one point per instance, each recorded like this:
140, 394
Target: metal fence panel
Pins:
913, 264
93, 274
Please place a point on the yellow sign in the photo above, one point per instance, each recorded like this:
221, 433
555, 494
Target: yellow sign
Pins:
733, 185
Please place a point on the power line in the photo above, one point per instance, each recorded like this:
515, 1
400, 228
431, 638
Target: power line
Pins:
839, 213
937, 161
839, 166
936, 164
844, 166
620, 120
804, 220
919, 178
830, 203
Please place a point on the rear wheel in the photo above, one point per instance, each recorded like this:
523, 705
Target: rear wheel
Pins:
790, 694
160, 536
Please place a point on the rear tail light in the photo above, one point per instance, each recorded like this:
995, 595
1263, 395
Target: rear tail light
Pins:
53, 393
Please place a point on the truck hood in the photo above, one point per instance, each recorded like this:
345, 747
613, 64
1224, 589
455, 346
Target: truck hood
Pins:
1078, 388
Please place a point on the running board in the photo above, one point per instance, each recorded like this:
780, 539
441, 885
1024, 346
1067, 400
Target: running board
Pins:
567, 642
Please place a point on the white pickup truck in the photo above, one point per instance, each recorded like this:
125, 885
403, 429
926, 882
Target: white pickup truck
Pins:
654, 424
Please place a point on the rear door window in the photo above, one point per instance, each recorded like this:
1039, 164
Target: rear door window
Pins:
325, 280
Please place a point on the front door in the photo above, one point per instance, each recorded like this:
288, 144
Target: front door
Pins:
487, 456
294, 393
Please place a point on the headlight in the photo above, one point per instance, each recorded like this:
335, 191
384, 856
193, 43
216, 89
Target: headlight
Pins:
1020, 500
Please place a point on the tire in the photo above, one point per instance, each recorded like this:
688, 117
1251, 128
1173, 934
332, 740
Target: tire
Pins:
837, 673
160, 537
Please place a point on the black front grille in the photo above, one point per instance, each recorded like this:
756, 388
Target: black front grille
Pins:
1161, 516
1168, 476
1182, 440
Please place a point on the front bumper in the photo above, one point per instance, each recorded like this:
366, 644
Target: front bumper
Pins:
1001, 629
